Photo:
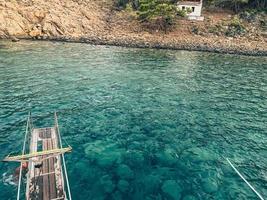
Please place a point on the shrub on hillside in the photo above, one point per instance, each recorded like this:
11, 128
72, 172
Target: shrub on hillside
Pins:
235, 27
122, 4
237, 5
249, 15
157, 14
230, 28
183, 13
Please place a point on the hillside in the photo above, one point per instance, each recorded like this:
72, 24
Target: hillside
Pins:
51, 18
96, 21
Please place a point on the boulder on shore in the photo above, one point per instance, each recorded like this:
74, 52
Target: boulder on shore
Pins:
14, 39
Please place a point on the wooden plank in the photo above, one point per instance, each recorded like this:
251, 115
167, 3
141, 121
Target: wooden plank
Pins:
58, 168
52, 180
39, 184
34, 193
33, 186
41, 134
45, 170
47, 174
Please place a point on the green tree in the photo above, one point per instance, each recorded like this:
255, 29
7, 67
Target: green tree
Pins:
157, 12
238, 5
258, 4
123, 3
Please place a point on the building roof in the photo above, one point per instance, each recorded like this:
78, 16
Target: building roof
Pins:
189, 3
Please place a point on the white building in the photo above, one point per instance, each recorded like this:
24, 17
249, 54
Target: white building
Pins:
194, 5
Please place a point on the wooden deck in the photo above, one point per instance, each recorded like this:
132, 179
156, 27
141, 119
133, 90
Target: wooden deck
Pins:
45, 177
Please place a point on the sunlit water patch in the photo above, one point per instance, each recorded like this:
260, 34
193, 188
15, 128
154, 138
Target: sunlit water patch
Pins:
143, 124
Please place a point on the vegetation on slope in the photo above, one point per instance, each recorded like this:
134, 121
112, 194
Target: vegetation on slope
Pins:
154, 14
238, 5
235, 5
161, 14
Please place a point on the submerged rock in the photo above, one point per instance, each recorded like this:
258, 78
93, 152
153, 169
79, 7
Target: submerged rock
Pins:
210, 186
117, 196
197, 154
171, 190
124, 172
164, 172
85, 172
107, 160
151, 184
167, 157
189, 197
107, 184
134, 159
123, 186
105, 153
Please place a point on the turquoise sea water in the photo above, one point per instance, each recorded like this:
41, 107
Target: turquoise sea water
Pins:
143, 124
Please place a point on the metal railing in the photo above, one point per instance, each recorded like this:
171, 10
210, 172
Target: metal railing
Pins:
23, 152
63, 158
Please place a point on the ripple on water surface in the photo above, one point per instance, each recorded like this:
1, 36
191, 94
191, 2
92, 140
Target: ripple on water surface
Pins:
144, 124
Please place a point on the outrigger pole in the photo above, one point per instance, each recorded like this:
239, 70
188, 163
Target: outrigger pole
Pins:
240, 175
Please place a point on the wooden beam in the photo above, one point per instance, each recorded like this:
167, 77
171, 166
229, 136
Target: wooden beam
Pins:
45, 170
25, 157
52, 181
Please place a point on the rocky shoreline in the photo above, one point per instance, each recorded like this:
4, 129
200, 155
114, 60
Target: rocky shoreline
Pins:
96, 22
171, 45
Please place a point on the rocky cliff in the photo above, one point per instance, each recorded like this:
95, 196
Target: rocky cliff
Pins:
51, 18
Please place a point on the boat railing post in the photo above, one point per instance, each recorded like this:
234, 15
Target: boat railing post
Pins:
31, 122
65, 173
23, 152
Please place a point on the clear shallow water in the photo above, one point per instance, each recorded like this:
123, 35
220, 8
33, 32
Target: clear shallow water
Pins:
144, 124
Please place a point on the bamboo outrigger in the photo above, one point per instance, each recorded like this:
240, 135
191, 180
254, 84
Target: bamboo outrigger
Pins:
46, 173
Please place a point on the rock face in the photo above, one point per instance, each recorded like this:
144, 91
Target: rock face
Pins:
50, 18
